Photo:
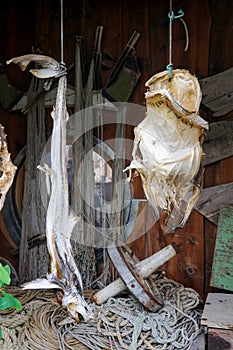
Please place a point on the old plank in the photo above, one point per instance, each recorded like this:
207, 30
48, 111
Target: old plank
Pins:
222, 105
222, 270
218, 311
218, 144
217, 85
217, 92
212, 198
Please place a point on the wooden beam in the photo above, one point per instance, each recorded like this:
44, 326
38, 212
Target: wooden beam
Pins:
143, 268
218, 144
217, 92
212, 198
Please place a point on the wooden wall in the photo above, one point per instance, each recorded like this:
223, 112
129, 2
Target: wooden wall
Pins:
37, 23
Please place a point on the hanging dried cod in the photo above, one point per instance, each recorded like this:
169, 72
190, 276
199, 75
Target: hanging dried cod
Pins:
167, 150
59, 221
7, 169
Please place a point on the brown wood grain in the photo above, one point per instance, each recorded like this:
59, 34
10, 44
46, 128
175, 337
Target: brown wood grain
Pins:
220, 59
211, 199
218, 143
210, 51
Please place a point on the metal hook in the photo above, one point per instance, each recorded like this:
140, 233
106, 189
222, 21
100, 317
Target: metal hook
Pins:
172, 16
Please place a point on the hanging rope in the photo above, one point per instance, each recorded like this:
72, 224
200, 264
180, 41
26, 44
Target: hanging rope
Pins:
171, 17
62, 34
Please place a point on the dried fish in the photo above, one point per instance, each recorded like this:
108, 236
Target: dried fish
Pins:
50, 67
167, 150
60, 222
7, 169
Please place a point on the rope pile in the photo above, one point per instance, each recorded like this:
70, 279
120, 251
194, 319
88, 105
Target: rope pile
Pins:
119, 324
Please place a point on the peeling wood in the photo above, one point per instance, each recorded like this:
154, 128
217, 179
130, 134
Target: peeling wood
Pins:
222, 270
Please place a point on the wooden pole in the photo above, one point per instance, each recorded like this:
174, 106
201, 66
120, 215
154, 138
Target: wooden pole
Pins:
143, 268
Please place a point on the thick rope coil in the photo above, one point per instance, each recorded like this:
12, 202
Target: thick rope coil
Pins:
119, 324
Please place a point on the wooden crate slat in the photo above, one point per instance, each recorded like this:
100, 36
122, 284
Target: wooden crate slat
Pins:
218, 311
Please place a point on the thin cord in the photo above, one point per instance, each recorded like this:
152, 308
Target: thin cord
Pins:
170, 32
186, 34
62, 41
171, 18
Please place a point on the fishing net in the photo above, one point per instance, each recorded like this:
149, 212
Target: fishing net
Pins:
82, 197
121, 323
34, 261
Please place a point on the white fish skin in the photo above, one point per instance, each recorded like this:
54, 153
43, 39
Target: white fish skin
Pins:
60, 222
167, 151
40, 283
50, 67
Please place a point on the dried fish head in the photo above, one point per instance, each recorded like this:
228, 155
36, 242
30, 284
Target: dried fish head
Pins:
183, 90
167, 150
75, 304
49, 67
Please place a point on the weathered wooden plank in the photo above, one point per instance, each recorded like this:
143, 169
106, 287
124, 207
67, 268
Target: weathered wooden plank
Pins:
212, 198
217, 92
220, 59
221, 105
218, 144
218, 311
222, 270
216, 86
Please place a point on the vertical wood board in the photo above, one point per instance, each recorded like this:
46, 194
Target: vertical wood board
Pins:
222, 271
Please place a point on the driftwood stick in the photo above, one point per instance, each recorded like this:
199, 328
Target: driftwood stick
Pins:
143, 268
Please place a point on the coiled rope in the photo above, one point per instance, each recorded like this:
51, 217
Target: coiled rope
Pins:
121, 323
